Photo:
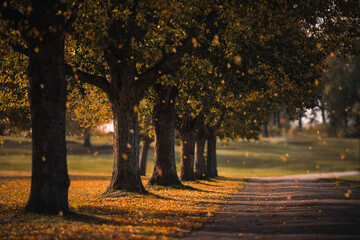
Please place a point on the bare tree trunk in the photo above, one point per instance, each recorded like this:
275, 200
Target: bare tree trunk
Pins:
143, 156
300, 123
200, 165
164, 122
211, 155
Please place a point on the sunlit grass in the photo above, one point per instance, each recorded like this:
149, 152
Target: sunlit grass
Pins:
266, 157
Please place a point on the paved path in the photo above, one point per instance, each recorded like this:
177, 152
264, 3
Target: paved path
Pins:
290, 207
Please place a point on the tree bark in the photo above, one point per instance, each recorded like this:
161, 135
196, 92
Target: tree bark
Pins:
323, 115
47, 94
265, 130
200, 165
125, 174
300, 123
164, 123
87, 141
211, 155
187, 154
346, 122
143, 156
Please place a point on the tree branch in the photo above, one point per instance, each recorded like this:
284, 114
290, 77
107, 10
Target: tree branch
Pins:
85, 77
72, 18
217, 125
170, 63
167, 65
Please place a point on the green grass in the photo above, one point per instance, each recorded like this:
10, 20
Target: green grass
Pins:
239, 159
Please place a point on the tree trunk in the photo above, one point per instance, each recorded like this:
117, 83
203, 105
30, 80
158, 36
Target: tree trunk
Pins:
300, 123
164, 122
47, 93
187, 154
143, 156
346, 122
87, 135
278, 121
211, 155
265, 131
125, 174
323, 115
200, 166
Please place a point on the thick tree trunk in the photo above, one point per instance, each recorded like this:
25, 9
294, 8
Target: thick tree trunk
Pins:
87, 141
47, 93
125, 174
200, 165
164, 122
143, 156
211, 156
187, 155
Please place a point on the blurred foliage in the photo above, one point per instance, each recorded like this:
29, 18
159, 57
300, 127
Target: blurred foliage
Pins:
342, 95
87, 107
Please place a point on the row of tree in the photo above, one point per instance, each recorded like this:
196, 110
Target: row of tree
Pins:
201, 65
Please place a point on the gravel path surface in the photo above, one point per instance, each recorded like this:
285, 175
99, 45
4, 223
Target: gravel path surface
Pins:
289, 207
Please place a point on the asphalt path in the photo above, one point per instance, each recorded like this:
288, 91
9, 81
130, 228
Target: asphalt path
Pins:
288, 207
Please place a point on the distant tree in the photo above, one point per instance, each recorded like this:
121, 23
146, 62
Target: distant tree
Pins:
342, 95
146, 132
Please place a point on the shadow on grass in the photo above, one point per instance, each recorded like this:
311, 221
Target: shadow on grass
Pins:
354, 183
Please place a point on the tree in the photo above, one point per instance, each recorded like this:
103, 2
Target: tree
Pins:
164, 124
41, 28
137, 42
146, 131
341, 95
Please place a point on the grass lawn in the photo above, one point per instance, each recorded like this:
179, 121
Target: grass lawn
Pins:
266, 157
